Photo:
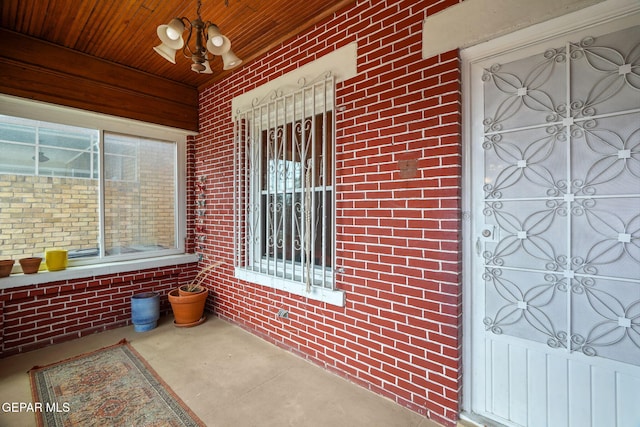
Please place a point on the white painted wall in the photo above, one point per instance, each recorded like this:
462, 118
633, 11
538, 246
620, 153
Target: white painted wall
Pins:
475, 21
342, 63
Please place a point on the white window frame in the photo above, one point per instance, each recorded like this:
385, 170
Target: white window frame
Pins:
302, 278
19, 107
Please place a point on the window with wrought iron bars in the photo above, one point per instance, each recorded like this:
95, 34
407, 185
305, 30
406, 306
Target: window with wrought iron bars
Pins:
284, 190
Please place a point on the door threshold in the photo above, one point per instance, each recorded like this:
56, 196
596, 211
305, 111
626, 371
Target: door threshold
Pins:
474, 420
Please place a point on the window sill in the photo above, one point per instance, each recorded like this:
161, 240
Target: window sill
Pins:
329, 296
86, 271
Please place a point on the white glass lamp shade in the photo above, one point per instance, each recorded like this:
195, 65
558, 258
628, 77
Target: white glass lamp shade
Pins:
202, 68
214, 35
207, 68
219, 50
198, 67
166, 52
175, 29
170, 35
230, 60
217, 44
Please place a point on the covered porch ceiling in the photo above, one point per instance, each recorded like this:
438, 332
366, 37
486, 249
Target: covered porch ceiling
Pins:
124, 32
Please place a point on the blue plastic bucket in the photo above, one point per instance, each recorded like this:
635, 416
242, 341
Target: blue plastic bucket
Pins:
145, 311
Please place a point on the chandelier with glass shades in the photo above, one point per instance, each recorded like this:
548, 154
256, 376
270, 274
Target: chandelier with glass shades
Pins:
207, 38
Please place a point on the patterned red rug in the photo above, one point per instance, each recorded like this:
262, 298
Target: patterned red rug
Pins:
113, 386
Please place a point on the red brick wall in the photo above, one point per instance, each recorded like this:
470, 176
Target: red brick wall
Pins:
398, 237
36, 316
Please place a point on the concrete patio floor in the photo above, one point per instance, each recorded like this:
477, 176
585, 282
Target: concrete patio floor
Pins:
227, 376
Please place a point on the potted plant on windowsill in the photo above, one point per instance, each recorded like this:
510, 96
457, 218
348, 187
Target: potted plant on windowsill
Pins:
188, 301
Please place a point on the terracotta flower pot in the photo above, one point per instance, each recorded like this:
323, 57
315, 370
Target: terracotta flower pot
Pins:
183, 293
188, 310
30, 265
5, 267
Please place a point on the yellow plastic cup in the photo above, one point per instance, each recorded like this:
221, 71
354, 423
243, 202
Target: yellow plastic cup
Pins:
56, 259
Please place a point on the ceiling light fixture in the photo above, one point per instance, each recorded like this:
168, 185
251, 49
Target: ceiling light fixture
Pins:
208, 39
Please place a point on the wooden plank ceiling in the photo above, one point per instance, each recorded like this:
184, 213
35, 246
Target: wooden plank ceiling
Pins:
124, 31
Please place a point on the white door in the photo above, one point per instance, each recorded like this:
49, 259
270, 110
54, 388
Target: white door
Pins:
555, 223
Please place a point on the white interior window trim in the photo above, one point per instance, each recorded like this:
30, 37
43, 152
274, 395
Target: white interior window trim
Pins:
34, 110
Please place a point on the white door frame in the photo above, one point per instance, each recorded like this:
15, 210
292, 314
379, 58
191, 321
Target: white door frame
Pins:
621, 11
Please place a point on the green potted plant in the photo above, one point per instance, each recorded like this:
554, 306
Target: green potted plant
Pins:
188, 301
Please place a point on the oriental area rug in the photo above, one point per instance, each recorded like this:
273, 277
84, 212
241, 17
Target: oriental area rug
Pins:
113, 386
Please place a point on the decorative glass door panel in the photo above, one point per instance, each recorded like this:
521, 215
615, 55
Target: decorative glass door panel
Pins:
559, 232
562, 194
